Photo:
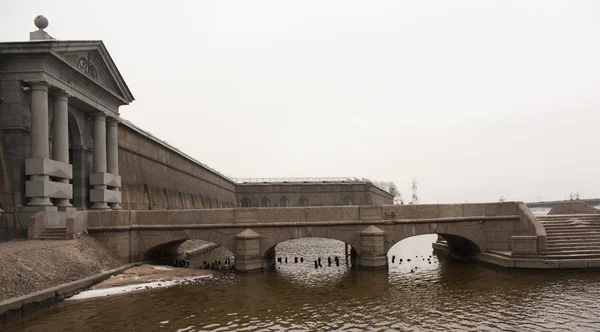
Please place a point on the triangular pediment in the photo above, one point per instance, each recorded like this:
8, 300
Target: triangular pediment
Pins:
93, 60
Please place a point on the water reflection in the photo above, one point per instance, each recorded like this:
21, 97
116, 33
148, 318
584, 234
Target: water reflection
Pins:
445, 295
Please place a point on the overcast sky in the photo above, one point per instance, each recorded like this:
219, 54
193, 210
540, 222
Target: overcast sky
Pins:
475, 99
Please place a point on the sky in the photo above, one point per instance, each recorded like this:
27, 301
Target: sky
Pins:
476, 100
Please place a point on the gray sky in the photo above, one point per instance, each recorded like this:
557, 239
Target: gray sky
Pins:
475, 99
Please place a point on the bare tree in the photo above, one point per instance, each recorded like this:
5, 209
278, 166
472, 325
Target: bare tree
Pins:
390, 187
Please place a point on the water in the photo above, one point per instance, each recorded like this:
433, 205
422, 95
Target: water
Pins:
443, 295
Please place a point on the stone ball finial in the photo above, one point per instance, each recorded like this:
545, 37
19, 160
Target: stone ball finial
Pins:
40, 22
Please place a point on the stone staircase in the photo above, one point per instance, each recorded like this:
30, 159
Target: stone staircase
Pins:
52, 233
572, 236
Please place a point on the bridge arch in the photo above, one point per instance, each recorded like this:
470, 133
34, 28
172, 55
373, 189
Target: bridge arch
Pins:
460, 238
269, 242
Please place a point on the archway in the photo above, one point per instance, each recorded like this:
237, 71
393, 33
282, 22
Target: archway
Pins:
196, 253
419, 252
78, 159
308, 252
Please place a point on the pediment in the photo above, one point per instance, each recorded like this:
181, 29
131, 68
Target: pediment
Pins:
92, 59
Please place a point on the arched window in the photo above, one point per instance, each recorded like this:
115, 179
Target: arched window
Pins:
346, 201
245, 202
283, 202
302, 201
264, 202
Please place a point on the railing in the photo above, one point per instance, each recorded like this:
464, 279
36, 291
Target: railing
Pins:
325, 179
305, 180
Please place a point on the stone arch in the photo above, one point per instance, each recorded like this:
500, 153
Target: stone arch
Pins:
460, 236
245, 202
268, 243
264, 202
284, 201
302, 201
169, 241
346, 200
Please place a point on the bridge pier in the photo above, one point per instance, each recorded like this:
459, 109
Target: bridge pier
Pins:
247, 251
373, 254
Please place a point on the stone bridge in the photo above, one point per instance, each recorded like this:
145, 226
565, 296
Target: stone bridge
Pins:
252, 233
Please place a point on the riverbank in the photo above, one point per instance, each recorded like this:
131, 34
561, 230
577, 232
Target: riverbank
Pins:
30, 266
37, 273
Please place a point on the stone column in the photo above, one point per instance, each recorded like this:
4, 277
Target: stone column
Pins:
99, 162
60, 138
112, 149
40, 149
247, 251
372, 248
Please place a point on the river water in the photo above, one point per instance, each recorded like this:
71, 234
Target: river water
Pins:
444, 295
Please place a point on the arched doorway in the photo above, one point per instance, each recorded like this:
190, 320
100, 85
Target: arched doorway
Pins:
78, 156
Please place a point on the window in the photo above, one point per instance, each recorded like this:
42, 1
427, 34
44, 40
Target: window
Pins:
302, 201
245, 203
346, 201
264, 202
283, 202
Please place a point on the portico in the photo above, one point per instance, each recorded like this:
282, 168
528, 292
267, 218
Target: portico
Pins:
65, 98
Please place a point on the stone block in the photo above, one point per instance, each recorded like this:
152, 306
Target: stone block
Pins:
221, 216
350, 213
372, 262
53, 168
155, 217
281, 215
105, 195
185, 217
492, 209
450, 210
536, 264
46, 188
329, 213
105, 179
245, 215
523, 245
472, 210
593, 263
510, 209
572, 264
495, 260
370, 213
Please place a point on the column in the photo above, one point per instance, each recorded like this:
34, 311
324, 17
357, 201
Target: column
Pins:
60, 138
99, 164
112, 153
40, 149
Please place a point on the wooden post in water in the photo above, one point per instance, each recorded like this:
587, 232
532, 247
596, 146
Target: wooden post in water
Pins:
346, 249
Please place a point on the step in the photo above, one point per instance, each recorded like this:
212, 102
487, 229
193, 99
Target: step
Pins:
561, 241
572, 227
578, 256
578, 252
572, 231
572, 236
572, 248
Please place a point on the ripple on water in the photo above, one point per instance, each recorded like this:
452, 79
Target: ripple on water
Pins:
444, 295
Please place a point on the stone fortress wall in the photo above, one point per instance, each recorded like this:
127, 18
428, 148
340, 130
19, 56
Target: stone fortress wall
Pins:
157, 176
322, 193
